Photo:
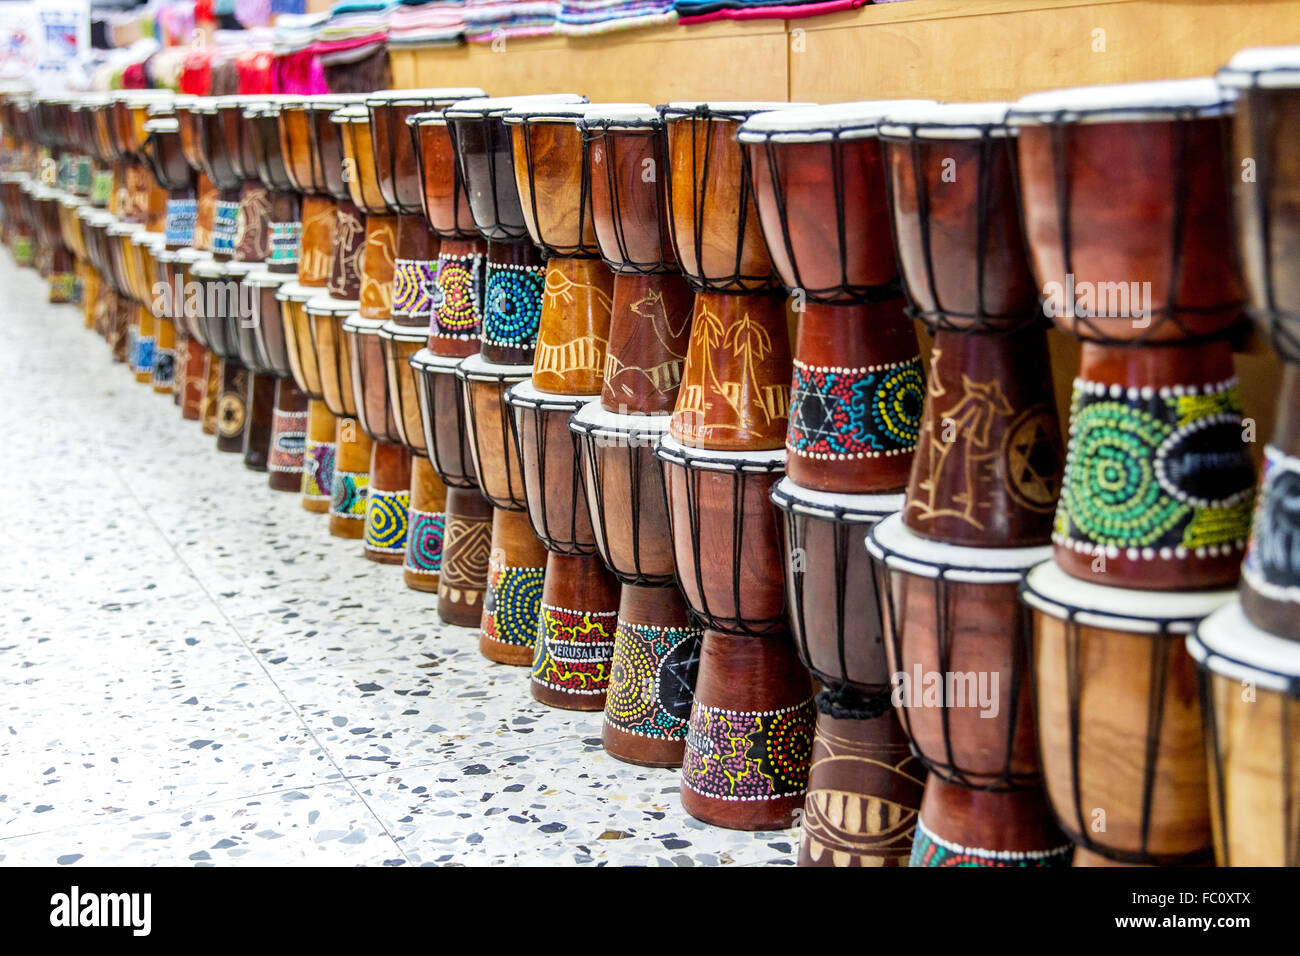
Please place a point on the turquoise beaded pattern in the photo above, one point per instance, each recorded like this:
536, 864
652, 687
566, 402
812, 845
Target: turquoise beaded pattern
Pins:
1156, 473
513, 305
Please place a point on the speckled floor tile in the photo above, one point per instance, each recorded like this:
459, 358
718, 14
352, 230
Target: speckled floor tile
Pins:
566, 802
192, 671
326, 825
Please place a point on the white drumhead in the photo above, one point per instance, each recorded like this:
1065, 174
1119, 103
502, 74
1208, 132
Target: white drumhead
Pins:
361, 325
294, 292
902, 549
208, 269
947, 120
403, 333
1274, 67
264, 278
861, 509
1123, 102
191, 255
450, 94
475, 367
1052, 591
122, 228
426, 359
1227, 643
733, 110
527, 394
559, 113
708, 459
146, 238
815, 124
499, 105
629, 115
602, 421
328, 305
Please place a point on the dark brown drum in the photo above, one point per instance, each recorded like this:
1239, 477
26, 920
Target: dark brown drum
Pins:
951, 172
1127, 210
819, 183
954, 640
725, 540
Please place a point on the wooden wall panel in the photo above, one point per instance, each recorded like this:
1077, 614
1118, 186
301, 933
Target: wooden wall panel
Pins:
722, 61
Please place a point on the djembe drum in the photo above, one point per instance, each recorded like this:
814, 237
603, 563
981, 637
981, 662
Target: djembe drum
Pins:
122, 328
388, 495
326, 316
983, 485
222, 312
1267, 81
387, 189
514, 563
162, 150
448, 294
287, 426
344, 287
1119, 718
1158, 483
855, 414
304, 164
656, 645
320, 449
1250, 682
474, 203
720, 460
571, 664
197, 360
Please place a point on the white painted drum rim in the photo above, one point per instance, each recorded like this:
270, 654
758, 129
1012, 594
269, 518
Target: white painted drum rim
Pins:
485, 107
1162, 100
1228, 644
1263, 67
1053, 592
527, 395
328, 305
947, 121
476, 368
821, 123
711, 459
902, 549
423, 358
294, 291
854, 508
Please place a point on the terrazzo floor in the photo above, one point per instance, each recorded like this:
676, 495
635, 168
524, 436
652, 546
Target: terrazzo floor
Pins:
193, 672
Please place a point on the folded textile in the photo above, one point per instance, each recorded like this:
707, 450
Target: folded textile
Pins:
765, 11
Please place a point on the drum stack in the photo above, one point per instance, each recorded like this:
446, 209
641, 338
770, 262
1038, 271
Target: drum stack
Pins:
326, 314
579, 608
304, 164
413, 301
162, 150
1249, 651
513, 564
750, 731
855, 416
371, 164
447, 548
1126, 207
387, 495
656, 645
202, 366
221, 147
983, 486
262, 342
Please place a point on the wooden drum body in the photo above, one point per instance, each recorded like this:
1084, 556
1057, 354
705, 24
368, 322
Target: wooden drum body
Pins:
953, 635
1127, 210
725, 541
1119, 716
1250, 685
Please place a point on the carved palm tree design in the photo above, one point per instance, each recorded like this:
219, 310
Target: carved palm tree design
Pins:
752, 343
